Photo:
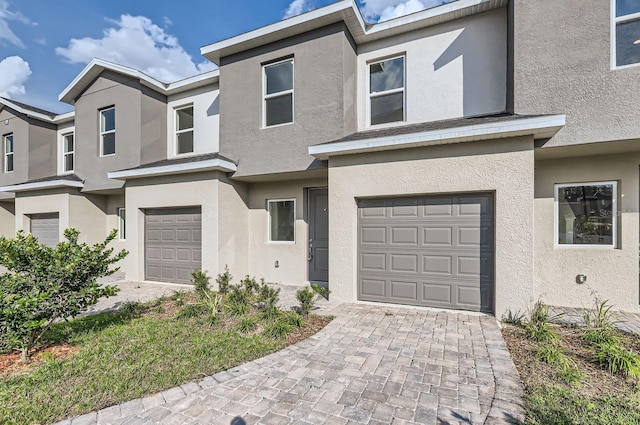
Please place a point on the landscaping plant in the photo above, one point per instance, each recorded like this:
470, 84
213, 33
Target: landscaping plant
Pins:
308, 297
224, 280
200, 281
46, 284
537, 326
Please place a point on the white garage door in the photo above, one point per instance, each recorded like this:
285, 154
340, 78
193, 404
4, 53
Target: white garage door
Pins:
46, 227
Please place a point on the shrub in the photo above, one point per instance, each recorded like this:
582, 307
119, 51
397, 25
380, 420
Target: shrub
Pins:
553, 356
237, 295
224, 280
537, 328
47, 284
191, 310
600, 326
131, 307
618, 360
250, 285
512, 318
269, 299
247, 324
235, 308
201, 281
292, 318
179, 298
308, 297
277, 329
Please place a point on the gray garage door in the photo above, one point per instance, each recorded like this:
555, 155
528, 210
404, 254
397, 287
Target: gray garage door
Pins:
173, 244
427, 251
46, 227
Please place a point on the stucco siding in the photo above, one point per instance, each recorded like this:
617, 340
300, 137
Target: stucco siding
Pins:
562, 64
319, 102
42, 150
452, 70
16, 124
153, 132
612, 274
503, 167
7, 219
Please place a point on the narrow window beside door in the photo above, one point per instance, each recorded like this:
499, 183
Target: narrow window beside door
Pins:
282, 220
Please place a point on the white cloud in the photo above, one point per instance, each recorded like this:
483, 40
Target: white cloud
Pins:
137, 42
296, 7
5, 16
14, 72
383, 10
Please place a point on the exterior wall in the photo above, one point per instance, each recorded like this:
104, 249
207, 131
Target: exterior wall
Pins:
63, 129
187, 190
113, 202
206, 126
291, 256
452, 70
17, 124
152, 131
87, 213
42, 150
504, 167
233, 227
7, 219
612, 274
108, 90
562, 64
322, 59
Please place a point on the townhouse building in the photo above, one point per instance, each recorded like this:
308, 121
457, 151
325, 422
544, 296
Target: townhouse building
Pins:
477, 156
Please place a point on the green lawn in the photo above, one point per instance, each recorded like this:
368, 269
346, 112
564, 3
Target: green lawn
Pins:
123, 356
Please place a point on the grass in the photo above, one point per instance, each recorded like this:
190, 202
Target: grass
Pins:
128, 354
573, 388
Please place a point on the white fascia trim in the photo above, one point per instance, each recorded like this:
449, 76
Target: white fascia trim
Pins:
278, 26
196, 80
538, 126
189, 167
41, 185
56, 119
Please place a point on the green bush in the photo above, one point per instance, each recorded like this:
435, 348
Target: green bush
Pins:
200, 280
235, 308
600, 326
224, 280
308, 297
618, 360
46, 284
277, 329
269, 298
292, 318
250, 285
553, 356
247, 324
537, 327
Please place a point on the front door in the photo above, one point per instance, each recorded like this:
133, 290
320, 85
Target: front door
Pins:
319, 236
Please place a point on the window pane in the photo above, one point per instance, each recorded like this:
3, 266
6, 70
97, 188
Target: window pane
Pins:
109, 144
387, 108
627, 7
627, 35
386, 75
68, 143
185, 142
282, 220
68, 162
122, 230
279, 110
185, 118
8, 143
108, 119
279, 77
9, 159
585, 215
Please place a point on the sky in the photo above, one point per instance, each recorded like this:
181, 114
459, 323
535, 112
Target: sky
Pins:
44, 45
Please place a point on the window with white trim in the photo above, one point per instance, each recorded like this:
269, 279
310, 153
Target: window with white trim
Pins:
68, 152
386, 91
8, 153
625, 32
586, 214
282, 220
122, 229
278, 93
108, 131
184, 130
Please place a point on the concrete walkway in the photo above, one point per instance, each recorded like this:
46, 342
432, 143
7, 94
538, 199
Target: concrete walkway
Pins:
371, 365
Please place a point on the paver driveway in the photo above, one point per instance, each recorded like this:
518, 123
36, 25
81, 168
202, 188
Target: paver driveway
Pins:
371, 365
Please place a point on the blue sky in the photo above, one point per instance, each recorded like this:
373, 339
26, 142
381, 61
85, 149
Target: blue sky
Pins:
45, 44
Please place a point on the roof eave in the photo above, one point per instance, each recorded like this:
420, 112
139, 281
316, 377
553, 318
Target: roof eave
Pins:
217, 164
540, 127
52, 184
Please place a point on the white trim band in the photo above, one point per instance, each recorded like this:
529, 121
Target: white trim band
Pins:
41, 185
187, 167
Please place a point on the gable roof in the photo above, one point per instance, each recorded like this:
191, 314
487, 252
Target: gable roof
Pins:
37, 113
97, 66
347, 11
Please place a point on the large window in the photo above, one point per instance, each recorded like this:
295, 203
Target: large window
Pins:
68, 152
278, 93
282, 220
586, 214
8, 153
626, 32
184, 130
108, 131
386, 91
122, 228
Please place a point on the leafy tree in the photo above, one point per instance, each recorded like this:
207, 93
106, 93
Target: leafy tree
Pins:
47, 284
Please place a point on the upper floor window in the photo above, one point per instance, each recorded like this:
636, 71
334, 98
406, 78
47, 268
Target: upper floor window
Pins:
108, 131
184, 130
68, 152
8, 153
386, 91
586, 214
278, 93
626, 32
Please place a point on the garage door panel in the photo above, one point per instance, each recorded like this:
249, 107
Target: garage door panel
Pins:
404, 290
172, 244
430, 251
46, 228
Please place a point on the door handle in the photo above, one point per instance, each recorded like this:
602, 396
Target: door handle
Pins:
310, 257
